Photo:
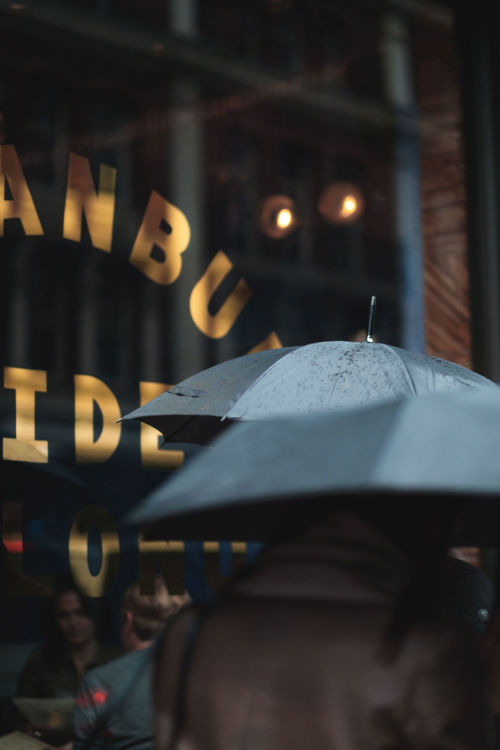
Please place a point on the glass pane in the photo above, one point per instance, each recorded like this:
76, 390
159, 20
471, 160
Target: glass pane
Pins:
183, 183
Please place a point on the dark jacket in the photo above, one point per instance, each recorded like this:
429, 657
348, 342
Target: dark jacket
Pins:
295, 657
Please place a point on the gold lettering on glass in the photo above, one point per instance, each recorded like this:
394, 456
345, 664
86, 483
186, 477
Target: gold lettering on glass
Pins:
217, 325
24, 447
82, 199
89, 448
164, 229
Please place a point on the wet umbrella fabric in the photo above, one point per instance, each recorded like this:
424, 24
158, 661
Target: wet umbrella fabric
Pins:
258, 474
297, 380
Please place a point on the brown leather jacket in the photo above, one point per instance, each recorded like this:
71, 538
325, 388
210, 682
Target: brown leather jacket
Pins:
293, 659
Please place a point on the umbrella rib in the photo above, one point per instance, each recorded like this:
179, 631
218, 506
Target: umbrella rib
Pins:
393, 350
263, 374
334, 387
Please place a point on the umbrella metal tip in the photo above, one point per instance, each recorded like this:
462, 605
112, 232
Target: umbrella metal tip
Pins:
371, 320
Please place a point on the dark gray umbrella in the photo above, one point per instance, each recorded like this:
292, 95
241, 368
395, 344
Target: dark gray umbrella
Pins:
259, 473
297, 380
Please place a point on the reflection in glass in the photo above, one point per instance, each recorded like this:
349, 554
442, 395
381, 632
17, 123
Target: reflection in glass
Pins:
278, 216
341, 203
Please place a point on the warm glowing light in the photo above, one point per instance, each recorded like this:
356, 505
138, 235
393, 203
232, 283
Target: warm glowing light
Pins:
349, 205
341, 203
277, 216
284, 218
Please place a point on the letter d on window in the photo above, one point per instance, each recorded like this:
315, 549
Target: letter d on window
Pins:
88, 447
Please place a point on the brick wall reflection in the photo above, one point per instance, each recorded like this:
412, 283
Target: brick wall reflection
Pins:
446, 276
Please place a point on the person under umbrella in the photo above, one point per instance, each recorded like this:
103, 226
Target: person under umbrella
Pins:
334, 638
329, 641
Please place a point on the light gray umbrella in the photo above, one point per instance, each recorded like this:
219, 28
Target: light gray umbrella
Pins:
307, 379
258, 475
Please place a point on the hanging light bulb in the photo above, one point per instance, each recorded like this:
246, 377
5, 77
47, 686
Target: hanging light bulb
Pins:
277, 216
341, 203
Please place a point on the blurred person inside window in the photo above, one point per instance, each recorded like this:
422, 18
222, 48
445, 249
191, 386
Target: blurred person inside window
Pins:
71, 647
54, 669
114, 703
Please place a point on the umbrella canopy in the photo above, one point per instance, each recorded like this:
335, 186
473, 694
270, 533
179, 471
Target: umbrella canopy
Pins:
259, 474
297, 380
